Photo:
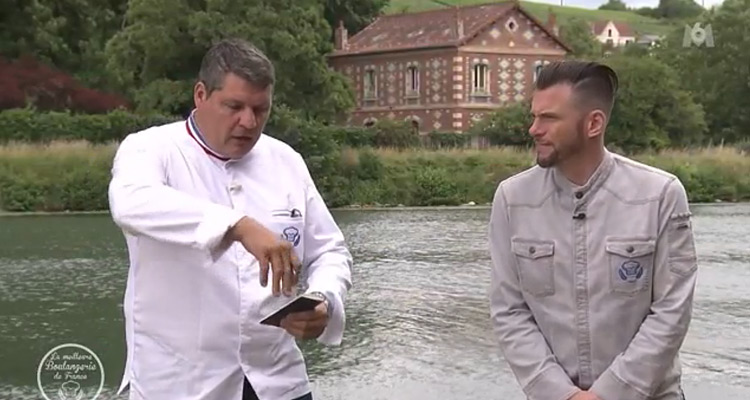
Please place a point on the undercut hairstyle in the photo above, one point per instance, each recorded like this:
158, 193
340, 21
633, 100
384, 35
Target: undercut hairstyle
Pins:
594, 85
238, 57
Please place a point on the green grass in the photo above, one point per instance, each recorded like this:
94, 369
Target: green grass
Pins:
641, 24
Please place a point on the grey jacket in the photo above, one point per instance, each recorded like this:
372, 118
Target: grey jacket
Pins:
592, 286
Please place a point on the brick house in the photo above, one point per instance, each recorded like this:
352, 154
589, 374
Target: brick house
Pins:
443, 69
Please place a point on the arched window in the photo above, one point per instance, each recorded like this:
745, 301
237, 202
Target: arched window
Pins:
370, 84
412, 80
480, 78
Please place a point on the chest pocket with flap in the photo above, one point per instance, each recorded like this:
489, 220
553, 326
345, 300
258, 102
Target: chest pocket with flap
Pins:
631, 264
535, 260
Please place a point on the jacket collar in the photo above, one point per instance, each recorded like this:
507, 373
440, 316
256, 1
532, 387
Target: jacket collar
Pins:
596, 180
195, 133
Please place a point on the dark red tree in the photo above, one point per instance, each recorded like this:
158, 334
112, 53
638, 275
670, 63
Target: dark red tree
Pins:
27, 81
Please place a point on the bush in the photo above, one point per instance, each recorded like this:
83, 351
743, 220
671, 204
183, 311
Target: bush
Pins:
395, 134
58, 177
448, 140
28, 125
28, 82
354, 136
74, 176
508, 126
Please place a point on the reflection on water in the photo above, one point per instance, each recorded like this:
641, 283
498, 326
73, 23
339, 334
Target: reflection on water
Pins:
418, 324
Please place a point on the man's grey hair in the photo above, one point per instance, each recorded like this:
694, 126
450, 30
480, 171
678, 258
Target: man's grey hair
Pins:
238, 57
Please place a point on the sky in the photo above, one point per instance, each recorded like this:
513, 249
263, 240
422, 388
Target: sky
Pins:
593, 4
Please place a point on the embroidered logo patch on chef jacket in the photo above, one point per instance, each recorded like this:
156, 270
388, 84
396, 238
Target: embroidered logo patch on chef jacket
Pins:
291, 234
630, 271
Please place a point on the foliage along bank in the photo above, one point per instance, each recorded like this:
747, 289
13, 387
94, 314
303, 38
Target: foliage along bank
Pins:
73, 176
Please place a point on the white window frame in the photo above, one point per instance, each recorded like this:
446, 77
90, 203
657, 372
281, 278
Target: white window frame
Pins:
478, 77
412, 81
370, 86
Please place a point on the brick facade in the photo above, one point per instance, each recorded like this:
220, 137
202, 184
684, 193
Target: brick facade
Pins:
466, 62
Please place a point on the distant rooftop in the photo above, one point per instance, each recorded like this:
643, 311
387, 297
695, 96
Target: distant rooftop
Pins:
443, 27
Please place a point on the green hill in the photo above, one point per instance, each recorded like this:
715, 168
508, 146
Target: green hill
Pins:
641, 24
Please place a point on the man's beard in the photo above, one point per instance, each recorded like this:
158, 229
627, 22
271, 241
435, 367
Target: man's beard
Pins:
564, 150
548, 161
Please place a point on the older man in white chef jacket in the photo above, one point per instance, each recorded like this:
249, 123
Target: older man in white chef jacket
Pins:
212, 209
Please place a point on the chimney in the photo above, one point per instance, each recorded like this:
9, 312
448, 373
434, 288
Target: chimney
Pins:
341, 37
459, 23
552, 22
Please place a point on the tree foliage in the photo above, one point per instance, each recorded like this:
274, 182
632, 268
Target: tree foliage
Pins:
159, 50
150, 50
68, 34
28, 82
719, 76
614, 5
508, 126
355, 14
651, 110
576, 33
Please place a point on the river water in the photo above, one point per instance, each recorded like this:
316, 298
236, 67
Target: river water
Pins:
418, 324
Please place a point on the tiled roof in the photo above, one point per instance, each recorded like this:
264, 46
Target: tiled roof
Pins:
434, 28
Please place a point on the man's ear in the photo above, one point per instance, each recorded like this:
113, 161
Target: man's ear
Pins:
596, 121
200, 93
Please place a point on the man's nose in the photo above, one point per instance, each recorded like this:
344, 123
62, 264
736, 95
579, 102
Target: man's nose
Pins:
535, 129
247, 119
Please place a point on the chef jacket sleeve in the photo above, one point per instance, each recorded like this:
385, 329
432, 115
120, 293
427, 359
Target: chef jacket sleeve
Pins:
142, 203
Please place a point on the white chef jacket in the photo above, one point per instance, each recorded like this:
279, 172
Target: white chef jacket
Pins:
193, 300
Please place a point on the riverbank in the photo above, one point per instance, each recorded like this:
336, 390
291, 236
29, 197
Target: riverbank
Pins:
73, 176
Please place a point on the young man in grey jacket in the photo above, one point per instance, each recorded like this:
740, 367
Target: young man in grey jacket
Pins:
593, 257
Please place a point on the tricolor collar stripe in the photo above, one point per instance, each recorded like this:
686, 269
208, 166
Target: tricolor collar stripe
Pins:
195, 134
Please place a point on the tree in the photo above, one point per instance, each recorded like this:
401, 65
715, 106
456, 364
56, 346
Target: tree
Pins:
69, 34
614, 5
158, 53
651, 110
154, 57
508, 126
719, 76
356, 14
27, 82
576, 33
678, 9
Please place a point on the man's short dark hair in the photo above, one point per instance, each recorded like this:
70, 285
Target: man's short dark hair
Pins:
594, 85
238, 57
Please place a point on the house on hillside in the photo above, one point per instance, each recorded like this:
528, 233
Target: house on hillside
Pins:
613, 33
443, 69
649, 40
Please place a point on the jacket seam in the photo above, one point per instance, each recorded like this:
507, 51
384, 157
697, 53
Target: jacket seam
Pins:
529, 204
632, 202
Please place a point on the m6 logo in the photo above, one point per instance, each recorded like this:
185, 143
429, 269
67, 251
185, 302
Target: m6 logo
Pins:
698, 35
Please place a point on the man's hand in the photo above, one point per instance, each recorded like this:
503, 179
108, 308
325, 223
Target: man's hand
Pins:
268, 248
307, 324
585, 395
